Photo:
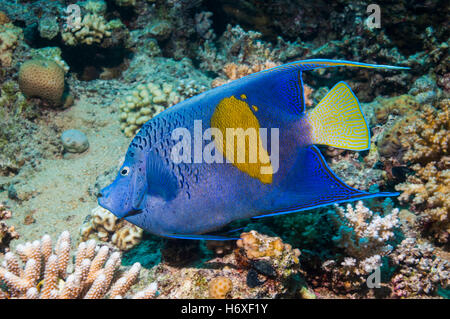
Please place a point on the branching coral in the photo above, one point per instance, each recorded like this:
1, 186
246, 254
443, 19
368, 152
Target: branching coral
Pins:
47, 273
421, 271
7, 233
92, 29
241, 47
143, 103
106, 227
427, 143
362, 236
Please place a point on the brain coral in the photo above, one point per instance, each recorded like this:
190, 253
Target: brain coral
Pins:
42, 78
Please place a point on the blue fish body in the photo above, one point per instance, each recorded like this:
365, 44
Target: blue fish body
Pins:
187, 199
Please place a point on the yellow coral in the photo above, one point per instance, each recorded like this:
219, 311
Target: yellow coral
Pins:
143, 103
42, 78
257, 245
92, 29
106, 227
220, 287
427, 143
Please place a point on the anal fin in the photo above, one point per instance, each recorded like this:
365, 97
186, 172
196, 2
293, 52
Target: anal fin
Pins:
312, 184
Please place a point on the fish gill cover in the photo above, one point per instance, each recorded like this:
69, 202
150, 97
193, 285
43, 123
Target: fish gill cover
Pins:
142, 140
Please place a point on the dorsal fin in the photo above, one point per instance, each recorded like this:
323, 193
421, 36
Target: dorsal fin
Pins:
282, 86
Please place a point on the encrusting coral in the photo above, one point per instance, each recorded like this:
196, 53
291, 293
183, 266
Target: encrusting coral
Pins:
42, 78
427, 142
106, 227
363, 237
7, 233
48, 273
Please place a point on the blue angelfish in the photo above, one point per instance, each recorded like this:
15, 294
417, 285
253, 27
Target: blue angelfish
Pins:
169, 186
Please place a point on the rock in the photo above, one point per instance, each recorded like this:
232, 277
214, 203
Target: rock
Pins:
74, 141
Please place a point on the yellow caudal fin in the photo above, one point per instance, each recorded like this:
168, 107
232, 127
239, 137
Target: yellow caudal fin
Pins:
338, 121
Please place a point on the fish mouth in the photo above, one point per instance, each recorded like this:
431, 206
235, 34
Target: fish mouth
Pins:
132, 212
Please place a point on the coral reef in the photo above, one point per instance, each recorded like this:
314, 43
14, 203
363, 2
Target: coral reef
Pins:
420, 270
263, 267
7, 233
220, 287
156, 92
91, 29
426, 141
143, 103
10, 36
42, 78
363, 237
48, 274
32, 140
244, 48
103, 225
50, 53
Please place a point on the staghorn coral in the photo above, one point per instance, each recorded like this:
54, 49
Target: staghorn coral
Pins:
48, 274
421, 270
427, 141
7, 233
42, 78
220, 287
103, 225
362, 236
10, 36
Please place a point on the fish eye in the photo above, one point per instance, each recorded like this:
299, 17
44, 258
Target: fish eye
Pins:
124, 171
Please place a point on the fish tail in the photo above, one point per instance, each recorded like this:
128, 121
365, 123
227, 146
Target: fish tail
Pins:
338, 120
